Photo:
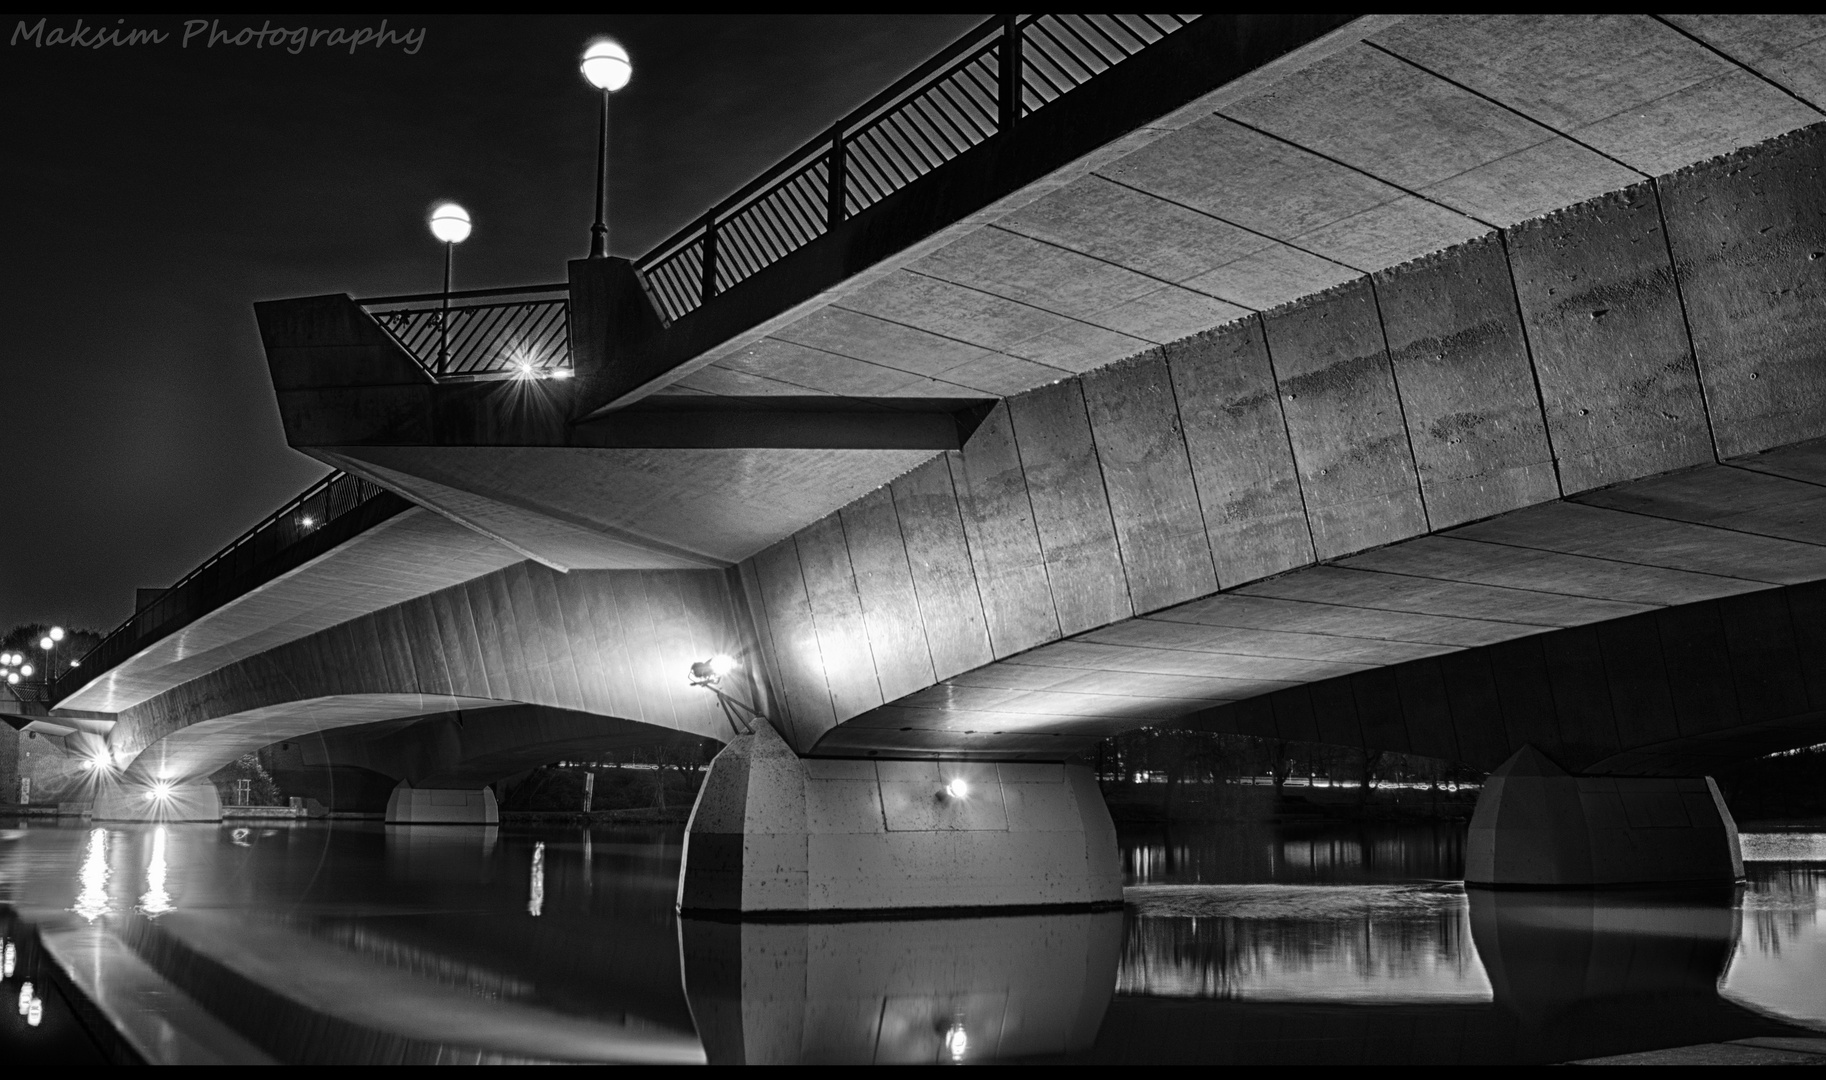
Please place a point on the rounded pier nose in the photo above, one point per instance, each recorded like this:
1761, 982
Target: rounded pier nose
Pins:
441, 806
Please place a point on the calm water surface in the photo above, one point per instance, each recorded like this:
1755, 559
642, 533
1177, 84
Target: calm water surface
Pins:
1290, 944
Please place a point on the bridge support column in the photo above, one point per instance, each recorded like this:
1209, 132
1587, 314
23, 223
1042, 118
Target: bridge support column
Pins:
441, 806
1535, 825
129, 801
774, 833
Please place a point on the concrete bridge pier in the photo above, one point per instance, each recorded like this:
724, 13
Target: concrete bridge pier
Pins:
776, 834
1538, 826
442, 806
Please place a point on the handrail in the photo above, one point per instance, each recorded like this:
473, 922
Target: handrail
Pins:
979, 87
463, 294
317, 506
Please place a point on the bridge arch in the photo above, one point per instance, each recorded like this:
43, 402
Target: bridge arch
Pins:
607, 647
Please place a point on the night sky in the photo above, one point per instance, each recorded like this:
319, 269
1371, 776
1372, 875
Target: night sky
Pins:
154, 192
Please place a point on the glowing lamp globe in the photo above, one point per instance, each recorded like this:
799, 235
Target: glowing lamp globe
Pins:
26, 670
450, 223
606, 65
56, 633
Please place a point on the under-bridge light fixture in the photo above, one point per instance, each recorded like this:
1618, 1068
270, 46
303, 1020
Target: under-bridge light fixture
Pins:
958, 788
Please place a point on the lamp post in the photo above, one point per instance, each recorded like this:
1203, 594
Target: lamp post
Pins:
49, 644
607, 67
450, 224
707, 674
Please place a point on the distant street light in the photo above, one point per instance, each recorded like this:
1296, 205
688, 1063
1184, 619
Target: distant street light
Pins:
607, 67
450, 224
707, 674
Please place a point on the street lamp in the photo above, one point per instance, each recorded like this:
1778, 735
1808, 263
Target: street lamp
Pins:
607, 67
450, 224
707, 674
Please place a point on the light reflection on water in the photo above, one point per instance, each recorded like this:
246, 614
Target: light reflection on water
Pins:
1236, 945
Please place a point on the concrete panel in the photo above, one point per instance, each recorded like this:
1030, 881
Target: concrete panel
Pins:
1453, 558
1532, 182
1519, 671
1071, 511
939, 560
801, 670
1392, 233
1379, 710
1764, 662
1477, 709
843, 642
1610, 534
1273, 277
865, 337
1699, 675
1300, 616
1373, 112
1163, 632
1467, 389
1714, 117
1146, 471
952, 311
1134, 229
1334, 712
1741, 500
1168, 314
1398, 592
842, 806
1242, 462
1580, 684
1029, 271
1566, 71
1785, 48
798, 365
1344, 419
1641, 700
1611, 352
1747, 233
1268, 186
884, 584
1004, 545
1427, 711
1077, 347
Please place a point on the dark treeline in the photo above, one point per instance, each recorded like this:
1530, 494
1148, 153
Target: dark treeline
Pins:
1170, 772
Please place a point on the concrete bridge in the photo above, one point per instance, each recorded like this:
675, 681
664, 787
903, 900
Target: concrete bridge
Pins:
1448, 385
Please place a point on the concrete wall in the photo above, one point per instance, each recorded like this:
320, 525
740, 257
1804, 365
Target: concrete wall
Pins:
1674, 324
608, 643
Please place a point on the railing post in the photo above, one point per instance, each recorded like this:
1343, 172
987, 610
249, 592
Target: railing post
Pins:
837, 189
1008, 85
707, 288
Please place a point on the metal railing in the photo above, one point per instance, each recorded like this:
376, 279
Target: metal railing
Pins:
476, 334
223, 575
983, 85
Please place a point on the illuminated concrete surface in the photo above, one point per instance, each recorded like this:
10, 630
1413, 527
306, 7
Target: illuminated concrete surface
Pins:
772, 832
1351, 400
